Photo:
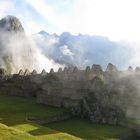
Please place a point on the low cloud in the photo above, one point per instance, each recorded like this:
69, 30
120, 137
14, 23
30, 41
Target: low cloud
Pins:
17, 51
66, 51
83, 50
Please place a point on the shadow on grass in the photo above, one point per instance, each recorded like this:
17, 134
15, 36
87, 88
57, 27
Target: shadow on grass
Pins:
40, 132
87, 130
14, 110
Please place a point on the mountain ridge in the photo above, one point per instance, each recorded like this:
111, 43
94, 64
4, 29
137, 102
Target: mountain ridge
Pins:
81, 50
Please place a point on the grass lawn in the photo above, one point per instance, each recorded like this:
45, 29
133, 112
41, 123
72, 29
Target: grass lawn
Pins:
87, 130
14, 110
8, 133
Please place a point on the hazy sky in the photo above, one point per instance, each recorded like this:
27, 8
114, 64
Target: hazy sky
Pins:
115, 19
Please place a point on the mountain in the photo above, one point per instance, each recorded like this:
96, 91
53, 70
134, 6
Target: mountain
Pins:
82, 50
44, 50
44, 33
11, 23
11, 31
17, 51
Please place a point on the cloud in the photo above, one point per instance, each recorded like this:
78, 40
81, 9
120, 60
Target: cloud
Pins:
5, 6
48, 13
17, 51
22, 10
32, 27
83, 50
66, 51
117, 19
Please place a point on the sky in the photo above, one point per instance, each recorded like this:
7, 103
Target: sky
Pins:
119, 20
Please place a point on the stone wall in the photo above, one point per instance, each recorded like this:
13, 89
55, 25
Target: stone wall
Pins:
101, 96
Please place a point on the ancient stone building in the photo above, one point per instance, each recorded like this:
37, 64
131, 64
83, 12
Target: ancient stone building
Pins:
91, 93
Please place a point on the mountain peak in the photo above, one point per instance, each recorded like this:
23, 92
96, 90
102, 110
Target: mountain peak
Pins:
43, 32
66, 34
11, 23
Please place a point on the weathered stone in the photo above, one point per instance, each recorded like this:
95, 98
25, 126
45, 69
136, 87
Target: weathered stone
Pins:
34, 72
21, 73
84, 91
42, 121
70, 70
137, 69
75, 70
43, 73
65, 70
130, 68
51, 70
27, 72
97, 69
111, 68
60, 70
87, 69
2, 72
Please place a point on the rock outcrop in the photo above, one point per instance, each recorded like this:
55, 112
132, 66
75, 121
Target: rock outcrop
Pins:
11, 24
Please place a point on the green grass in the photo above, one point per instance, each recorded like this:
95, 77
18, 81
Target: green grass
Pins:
8, 133
14, 110
87, 130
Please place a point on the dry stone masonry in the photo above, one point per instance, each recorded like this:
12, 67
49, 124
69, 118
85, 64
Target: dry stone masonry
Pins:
101, 96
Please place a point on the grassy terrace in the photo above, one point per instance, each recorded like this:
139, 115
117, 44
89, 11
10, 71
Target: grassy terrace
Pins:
13, 113
14, 110
13, 134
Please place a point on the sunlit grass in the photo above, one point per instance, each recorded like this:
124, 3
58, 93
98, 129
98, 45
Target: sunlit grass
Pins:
14, 110
8, 133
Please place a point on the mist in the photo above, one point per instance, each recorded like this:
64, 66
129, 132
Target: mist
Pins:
82, 50
17, 51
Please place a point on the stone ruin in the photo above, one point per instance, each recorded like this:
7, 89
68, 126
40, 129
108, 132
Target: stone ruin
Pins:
98, 95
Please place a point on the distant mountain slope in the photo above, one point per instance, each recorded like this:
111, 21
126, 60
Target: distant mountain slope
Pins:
45, 51
83, 50
11, 23
17, 51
